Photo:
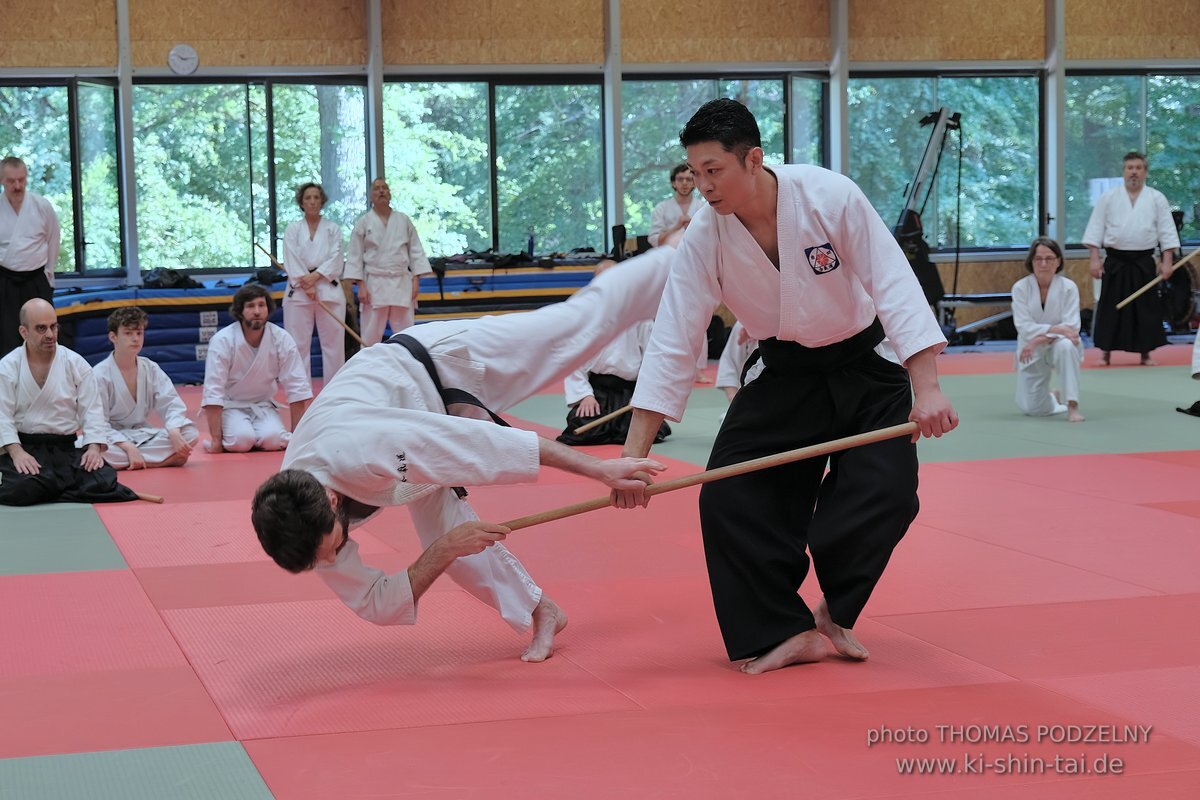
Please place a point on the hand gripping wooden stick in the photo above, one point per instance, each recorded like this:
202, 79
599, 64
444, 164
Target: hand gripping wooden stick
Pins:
324, 307
1157, 280
598, 421
907, 429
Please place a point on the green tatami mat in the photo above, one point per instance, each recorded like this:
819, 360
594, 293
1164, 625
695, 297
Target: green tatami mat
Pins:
219, 771
57, 537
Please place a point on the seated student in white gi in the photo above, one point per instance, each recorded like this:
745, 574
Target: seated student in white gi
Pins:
738, 348
132, 388
1045, 308
382, 434
245, 362
313, 258
47, 397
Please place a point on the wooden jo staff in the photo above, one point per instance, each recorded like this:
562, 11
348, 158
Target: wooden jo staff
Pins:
598, 421
1157, 280
149, 498
870, 437
324, 307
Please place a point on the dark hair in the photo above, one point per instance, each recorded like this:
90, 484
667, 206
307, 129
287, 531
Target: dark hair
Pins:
726, 122
1134, 155
291, 514
678, 169
304, 187
1047, 242
12, 161
248, 292
127, 317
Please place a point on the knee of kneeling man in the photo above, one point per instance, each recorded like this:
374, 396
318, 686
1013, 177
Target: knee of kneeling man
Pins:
275, 441
239, 444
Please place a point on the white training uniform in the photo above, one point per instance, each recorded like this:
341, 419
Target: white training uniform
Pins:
129, 417
1196, 358
733, 359
242, 379
719, 260
29, 240
1142, 225
68, 402
1032, 320
380, 434
323, 254
621, 357
668, 213
387, 257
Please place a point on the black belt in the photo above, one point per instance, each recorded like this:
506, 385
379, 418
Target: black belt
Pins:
21, 275
790, 355
449, 396
1128, 255
59, 441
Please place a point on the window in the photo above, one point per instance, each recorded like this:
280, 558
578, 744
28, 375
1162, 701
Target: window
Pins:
806, 120
1000, 186
100, 221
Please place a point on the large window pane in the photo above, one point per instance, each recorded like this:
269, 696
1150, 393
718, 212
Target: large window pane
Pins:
197, 160
549, 162
34, 127
1172, 114
98, 176
764, 98
320, 136
436, 150
1105, 118
807, 121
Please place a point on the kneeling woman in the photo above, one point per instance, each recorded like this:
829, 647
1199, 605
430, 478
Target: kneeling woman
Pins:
1046, 313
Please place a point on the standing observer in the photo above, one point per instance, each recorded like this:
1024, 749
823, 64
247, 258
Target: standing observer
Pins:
29, 244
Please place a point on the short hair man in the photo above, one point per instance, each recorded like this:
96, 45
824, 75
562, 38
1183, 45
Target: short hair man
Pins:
245, 362
47, 395
385, 261
1129, 222
397, 426
674, 213
806, 264
132, 388
29, 243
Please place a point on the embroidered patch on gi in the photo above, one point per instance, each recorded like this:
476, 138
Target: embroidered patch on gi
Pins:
822, 258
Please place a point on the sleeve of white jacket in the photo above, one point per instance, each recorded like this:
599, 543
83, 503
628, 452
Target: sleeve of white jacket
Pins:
370, 592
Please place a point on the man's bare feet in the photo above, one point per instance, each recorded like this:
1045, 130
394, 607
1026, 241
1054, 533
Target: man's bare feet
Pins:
844, 640
548, 620
1147, 361
1104, 359
803, 648
1073, 414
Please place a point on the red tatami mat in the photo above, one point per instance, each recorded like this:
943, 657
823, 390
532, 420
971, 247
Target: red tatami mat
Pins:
291, 669
815, 747
997, 361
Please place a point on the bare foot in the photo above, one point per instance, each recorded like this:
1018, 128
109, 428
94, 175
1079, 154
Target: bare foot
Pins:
548, 620
844, 640
702, 378
1104, 360
1073, 414
174, 460
1147, 361
1057, 397
803, 648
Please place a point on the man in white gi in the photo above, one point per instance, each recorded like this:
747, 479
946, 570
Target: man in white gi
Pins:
738, 349
132, 388
48, 395
388, 430
314, 260
1045, 307
1129, 222
385, 261
800, 257
29, 244
674, 213
245, 363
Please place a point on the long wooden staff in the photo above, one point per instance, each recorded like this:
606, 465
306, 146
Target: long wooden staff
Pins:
1157, 280
907, 429
598, 421
324, 307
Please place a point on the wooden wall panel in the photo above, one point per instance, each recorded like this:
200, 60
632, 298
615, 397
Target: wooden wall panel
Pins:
666, 32
233, 33
1102, 29
998, 276
950, 30
63, 33
493, 31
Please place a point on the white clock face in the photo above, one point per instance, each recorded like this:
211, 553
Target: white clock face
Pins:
183, 59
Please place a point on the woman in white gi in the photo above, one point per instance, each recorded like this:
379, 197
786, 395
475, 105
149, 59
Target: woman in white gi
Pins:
1046, 313
313, 258
385, 261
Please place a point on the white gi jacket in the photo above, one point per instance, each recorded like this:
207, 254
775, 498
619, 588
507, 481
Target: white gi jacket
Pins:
840, 267
33, 236
733, 359
1144, 225
322, 253
67, 403
386, 256
622, 357
1032, 319
237, 375
128, 417
667, 213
